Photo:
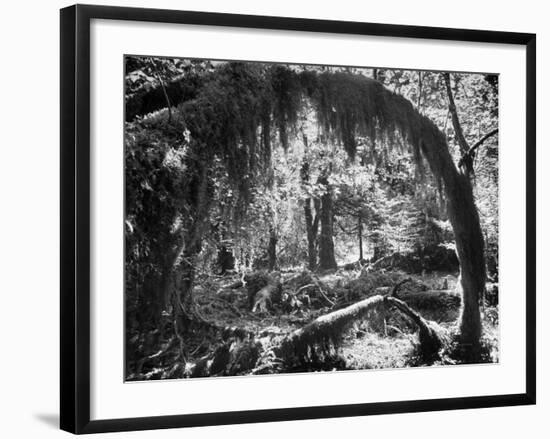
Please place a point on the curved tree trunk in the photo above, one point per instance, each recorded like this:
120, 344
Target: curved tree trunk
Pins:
324, 333
470, 248
468, 236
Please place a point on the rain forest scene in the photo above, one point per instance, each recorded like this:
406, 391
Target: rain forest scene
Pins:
285, 218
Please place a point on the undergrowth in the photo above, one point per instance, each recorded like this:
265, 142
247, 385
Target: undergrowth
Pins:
382, 338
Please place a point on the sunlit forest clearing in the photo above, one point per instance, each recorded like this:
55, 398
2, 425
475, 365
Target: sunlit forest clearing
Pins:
296, 218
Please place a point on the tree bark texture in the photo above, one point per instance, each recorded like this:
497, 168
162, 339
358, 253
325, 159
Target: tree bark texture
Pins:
326, 243
272, 249
468, 236
312, 222
360, 236
325, 332
226, 261
198, 197
311, 253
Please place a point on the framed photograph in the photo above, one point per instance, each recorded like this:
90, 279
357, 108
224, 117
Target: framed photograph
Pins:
272, 218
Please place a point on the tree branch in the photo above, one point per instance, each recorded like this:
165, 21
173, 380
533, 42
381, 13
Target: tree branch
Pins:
459, 134
396, 287
164, 92
482, 140
315, 224
419, 101
471, 152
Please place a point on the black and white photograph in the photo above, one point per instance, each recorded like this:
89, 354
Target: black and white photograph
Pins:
285, 218
271, 220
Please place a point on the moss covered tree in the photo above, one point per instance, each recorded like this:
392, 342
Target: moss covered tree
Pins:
230, 116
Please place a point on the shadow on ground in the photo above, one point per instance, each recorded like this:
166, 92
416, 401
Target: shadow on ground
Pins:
50, 419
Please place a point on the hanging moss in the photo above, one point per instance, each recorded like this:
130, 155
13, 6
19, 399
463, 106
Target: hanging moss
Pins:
350, 105
287, 93
225, 117
233, 114
231, 117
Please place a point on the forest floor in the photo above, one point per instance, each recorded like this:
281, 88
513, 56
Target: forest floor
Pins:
382, 340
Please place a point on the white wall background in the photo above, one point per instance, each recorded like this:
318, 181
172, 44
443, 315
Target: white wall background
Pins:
29, 186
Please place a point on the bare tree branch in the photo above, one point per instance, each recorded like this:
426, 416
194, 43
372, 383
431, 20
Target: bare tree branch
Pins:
471, 152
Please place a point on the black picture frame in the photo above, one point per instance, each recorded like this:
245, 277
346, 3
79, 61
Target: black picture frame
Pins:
75, 217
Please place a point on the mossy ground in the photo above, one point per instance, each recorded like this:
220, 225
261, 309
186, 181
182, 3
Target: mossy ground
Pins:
383, 339
379, 342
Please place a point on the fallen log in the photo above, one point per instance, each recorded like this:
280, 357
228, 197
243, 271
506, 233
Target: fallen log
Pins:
398, 285
306, 280
317, 288
426, 301
316, 342
432, 337
149, 99
322, 291
231, 286
322, 337
357, 265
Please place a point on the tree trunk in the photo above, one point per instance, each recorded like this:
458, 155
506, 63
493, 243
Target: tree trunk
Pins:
470, 248
311, 253
360, 236
182, 296
272, 249
431, 335
465, 221
466, 161
467, 230
419, 99
377, 254
225, 261
326, 244
192, 235
311, 222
